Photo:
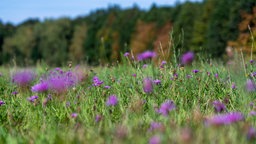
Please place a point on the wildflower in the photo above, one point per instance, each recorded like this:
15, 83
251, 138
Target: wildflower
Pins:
14, 93
225, 119
74, 115
157, 82
67, 104
126, 54
57, 84
146, 55
208, 73
251, 134
250, 85
112, 100
189, 76
2, 102
145, 66
233, 86
251, 61
218, 106
163, 63
107, 87
134, 75
155, 140
195, 71
40, 87
216, 75
147, 85
98, 118
155, 126
32, 98
97, 81
23, 78
166, 107
253, 74
252, 113
187, 58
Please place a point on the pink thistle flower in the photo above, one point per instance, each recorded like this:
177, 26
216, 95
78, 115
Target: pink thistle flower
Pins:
112, 100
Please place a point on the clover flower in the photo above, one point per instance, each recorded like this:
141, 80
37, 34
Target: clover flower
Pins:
155, 126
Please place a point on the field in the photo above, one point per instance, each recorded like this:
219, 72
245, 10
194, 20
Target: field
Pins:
198, 101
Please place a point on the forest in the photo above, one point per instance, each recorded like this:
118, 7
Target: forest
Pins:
206, 28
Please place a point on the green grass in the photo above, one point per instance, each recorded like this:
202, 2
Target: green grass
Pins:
129, 121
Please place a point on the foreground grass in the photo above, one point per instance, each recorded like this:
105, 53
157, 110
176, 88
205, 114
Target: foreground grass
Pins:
130, 120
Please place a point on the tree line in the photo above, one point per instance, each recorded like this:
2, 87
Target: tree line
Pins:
206, 27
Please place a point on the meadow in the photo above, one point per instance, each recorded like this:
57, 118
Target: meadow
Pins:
184, 100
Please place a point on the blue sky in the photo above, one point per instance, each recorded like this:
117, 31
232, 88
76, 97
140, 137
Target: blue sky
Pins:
16, 11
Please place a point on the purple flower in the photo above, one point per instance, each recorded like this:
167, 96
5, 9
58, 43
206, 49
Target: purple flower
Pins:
98, 118
216, 75
146, 55
233, 86
126, 54
155, 140
97, 81
134, 75
112, 100
32, 98
195, 71
252, 113
166, 107
57, 84
251, 134
107, 87
155, 126
23, 78
40, 87
187, 58
251, 61
224, 119
58, 81
14, 93
145, 66
157, 82
250, 85
189, 76
253, 74
74, 115
2, 102
218, 106
147, 85
163, 63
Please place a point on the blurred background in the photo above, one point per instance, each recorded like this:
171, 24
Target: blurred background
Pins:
100, 31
